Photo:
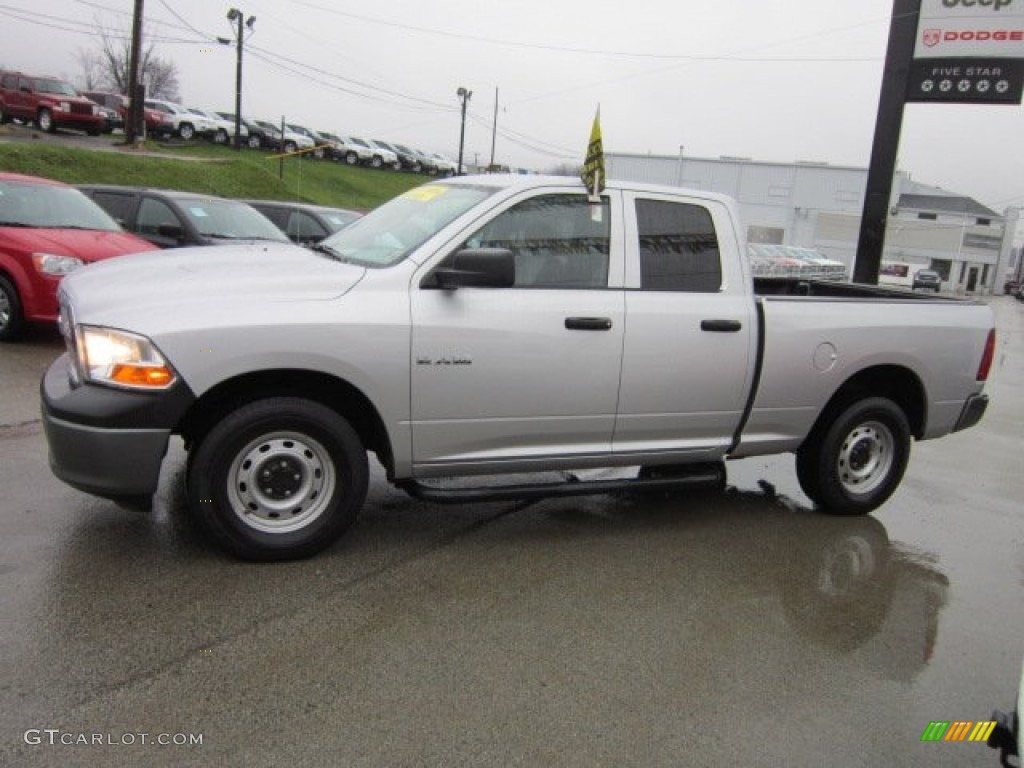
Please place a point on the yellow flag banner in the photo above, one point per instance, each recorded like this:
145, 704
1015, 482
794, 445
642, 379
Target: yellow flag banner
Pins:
593, 167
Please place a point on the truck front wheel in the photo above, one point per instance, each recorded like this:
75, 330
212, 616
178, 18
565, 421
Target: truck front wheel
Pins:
278, 479
853, 463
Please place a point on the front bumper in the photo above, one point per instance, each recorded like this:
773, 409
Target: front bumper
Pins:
104, 441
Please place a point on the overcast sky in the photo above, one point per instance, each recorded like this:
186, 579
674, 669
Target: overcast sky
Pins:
776, 80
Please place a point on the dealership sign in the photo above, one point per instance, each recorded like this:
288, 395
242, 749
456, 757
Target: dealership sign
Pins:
969, 51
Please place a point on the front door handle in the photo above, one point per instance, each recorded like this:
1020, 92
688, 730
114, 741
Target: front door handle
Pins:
721, 326
588, 323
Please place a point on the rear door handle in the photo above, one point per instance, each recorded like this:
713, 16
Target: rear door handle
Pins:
721, 326
588, 323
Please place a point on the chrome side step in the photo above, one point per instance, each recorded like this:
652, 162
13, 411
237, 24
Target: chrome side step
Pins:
673, 479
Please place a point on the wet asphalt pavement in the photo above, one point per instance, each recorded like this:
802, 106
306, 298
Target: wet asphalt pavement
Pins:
719, 628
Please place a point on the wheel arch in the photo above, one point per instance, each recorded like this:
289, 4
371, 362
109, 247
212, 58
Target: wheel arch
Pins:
895, 382
335, 393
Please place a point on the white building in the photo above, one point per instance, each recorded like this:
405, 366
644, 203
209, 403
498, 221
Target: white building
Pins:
817, 205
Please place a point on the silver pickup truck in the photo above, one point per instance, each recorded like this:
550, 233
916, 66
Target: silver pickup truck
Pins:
494, 325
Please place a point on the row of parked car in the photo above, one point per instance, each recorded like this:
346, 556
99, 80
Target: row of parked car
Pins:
49, 229
52, 103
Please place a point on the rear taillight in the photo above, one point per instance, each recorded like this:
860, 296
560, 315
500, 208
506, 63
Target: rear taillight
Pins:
986, 357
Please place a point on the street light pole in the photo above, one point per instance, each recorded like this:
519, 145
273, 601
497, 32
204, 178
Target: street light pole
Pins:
464, 96
235, 15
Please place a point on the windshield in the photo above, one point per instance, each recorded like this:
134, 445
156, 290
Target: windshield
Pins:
388, 234
50, 207
55, 86
230, 220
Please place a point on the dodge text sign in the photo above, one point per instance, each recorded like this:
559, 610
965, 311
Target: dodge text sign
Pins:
970, 28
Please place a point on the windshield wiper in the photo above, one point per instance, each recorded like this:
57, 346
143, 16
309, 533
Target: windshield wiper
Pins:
16, 224
334, 254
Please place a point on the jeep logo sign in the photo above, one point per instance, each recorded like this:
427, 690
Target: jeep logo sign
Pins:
970, 28
994, 4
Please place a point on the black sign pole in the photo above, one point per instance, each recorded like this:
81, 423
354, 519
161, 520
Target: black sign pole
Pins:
888, 124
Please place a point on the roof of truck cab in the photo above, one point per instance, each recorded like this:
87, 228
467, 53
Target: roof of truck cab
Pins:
513, 181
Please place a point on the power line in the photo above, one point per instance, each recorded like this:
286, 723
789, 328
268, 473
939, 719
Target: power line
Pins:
598, 52
84, 28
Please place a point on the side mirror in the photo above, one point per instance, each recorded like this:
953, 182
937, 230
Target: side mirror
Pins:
476, 268
171, 231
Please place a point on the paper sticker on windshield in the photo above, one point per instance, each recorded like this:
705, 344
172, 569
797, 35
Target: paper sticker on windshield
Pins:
423, 194
200, 212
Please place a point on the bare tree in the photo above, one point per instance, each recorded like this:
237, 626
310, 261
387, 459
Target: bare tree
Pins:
92, 77
108, 68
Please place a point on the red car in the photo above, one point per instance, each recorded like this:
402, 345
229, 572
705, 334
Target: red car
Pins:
48, 229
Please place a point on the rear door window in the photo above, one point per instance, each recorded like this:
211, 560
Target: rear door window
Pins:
678, 247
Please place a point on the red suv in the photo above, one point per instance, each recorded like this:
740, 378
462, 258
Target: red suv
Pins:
48, 229
50, 102
156, 121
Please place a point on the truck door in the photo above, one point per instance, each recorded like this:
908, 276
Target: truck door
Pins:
521, 377
688, 353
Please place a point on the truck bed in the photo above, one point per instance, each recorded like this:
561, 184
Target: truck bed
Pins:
794, 286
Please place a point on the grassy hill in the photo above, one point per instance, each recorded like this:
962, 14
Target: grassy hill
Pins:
213, 170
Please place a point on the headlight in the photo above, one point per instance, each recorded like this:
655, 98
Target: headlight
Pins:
122, 359
52, 264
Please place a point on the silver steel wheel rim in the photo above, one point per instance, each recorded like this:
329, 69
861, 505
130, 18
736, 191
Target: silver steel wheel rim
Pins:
866, 457
5, 309
281, 482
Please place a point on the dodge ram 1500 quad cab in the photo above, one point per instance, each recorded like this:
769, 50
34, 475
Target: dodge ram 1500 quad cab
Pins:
494, 325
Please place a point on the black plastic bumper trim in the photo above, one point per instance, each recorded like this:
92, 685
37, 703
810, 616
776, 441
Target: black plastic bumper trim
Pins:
972, 412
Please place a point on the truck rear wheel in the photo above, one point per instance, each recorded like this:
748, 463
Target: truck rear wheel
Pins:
278, 479
853, 463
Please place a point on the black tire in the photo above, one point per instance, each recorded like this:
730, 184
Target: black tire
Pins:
351, 158
376, 161
97, 131
416, 168
852, 464
314, 467
187, 131
11, 318
4, 117
45, 121
221, 137
318, 153
290, 146
254, 141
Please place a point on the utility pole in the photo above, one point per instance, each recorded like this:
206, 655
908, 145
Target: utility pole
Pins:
134, 128
494, 130
464, 96
235, 15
